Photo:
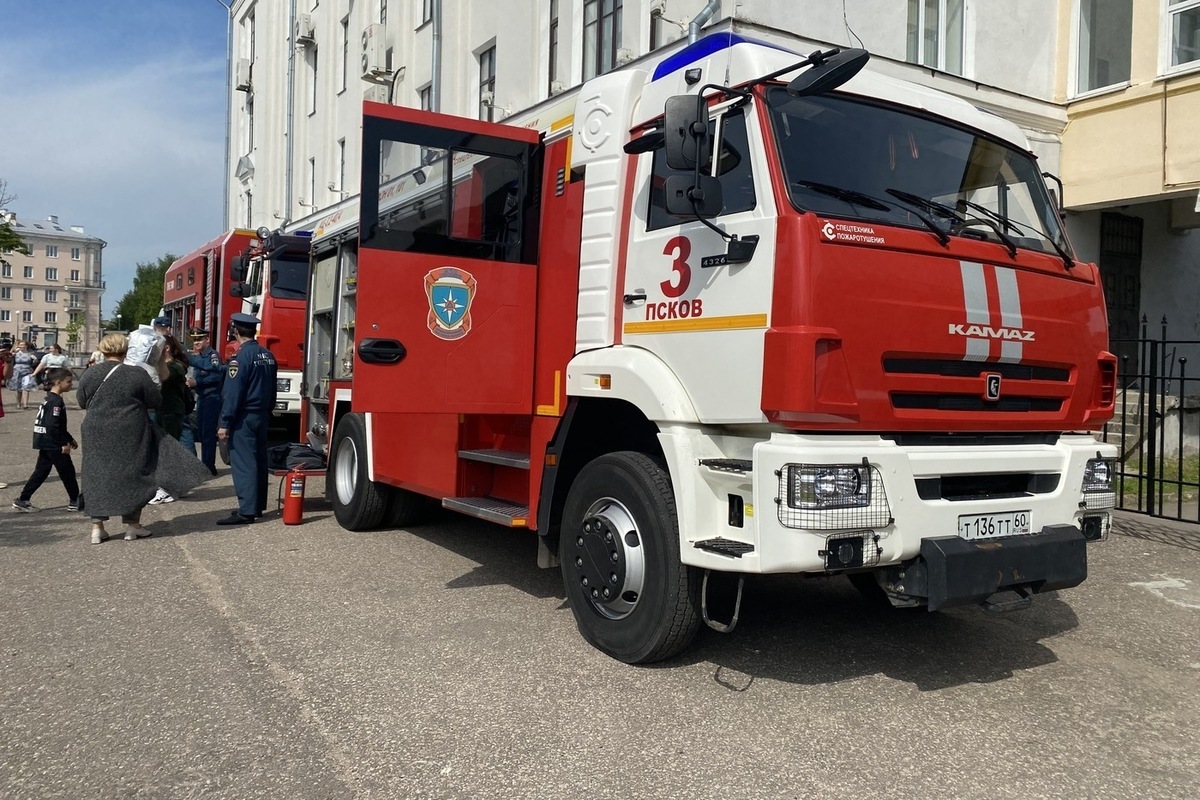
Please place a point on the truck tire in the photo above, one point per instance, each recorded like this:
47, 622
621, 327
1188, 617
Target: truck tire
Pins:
358, 503
619, 554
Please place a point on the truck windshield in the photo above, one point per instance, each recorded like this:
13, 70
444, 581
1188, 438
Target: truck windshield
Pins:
289, 279
855, 159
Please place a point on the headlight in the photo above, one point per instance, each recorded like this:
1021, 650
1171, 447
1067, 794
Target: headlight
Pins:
1098, 475
813, 486
283, 384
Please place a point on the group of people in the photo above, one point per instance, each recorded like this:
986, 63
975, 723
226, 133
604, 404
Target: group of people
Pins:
137, 391
21, 365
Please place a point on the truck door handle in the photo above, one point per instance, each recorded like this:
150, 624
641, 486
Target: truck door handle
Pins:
381, 351
630, 299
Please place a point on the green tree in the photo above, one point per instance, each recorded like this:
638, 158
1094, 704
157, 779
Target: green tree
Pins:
141, 303
9, 240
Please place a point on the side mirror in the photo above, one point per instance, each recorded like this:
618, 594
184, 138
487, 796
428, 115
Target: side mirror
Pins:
237, 269
829, 71
693, 196
685, 128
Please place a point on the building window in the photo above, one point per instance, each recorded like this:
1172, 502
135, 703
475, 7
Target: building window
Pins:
312, 86
341, 155
312, 182
553, 70
5, 316
383, 11
7, 270
51, 317
345, 70
51, 251
74, 274
51, 273
487, 83
601, 36
425, 98
5, 293
74, 300
249, 123
26, 316
51, 295
1182, 34
1103, 46
28, 272
426, 11
27, 294
655, 31
935, 34
249, 209
74, 253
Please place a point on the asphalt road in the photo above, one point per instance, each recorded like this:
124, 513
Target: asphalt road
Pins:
310, 662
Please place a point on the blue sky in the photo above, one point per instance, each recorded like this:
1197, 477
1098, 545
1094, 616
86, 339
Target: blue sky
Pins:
112, 116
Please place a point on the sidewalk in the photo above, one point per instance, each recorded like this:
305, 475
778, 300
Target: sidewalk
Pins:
1157, 529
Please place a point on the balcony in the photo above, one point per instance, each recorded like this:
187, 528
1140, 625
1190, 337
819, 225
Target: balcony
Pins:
92, 284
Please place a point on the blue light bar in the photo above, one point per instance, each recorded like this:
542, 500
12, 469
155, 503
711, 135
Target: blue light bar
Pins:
713, 43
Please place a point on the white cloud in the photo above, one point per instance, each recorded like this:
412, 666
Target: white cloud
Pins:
133, 152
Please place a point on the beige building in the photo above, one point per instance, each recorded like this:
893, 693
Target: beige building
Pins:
53, 294
1129, 75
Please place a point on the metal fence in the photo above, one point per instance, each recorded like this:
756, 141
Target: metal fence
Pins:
1155, 426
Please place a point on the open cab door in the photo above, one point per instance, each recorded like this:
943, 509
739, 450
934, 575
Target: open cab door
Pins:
447, 274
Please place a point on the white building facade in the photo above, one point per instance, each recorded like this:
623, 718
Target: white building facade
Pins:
300, 69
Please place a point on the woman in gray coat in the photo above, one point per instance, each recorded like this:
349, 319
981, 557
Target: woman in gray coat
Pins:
120, 452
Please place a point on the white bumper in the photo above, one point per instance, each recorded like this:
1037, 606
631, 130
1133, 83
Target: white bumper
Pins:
779, 542
287, 401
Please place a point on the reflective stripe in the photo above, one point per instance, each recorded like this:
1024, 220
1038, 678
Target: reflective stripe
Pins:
975, 301
1010, 312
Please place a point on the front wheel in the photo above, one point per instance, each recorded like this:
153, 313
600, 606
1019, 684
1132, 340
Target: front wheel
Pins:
358, 503
619, 553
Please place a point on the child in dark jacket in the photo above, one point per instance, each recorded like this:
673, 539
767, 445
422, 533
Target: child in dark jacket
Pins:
53, 442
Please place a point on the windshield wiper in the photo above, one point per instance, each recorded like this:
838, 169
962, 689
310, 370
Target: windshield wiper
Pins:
849, 195
974, 222
862, 199
930, 205
1068, 262
961, 221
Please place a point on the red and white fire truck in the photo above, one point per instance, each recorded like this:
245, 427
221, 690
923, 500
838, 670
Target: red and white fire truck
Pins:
261, 272
695, 321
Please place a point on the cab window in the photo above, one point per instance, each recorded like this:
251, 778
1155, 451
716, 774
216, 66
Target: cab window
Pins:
733, 169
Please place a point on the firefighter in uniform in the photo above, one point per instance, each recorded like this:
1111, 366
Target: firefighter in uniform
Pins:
206, 364
248, 399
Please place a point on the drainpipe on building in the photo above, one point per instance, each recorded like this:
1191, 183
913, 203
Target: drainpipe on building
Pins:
289, 122
228, 107
435, 71
704, 16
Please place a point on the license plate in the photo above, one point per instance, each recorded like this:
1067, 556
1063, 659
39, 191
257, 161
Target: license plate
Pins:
993, 526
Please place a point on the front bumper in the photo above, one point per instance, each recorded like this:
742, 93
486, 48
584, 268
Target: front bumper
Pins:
951, 571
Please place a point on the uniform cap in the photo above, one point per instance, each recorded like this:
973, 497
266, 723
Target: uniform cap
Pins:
161, 322
246, 320
196, 333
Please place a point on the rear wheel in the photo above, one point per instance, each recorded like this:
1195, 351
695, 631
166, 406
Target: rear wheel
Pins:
358, 503
619, 549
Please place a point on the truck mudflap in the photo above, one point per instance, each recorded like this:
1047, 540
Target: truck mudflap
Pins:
952, 571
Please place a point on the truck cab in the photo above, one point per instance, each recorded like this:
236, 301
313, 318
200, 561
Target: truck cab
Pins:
272, 282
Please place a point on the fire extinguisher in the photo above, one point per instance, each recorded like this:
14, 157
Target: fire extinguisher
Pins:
293, 500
